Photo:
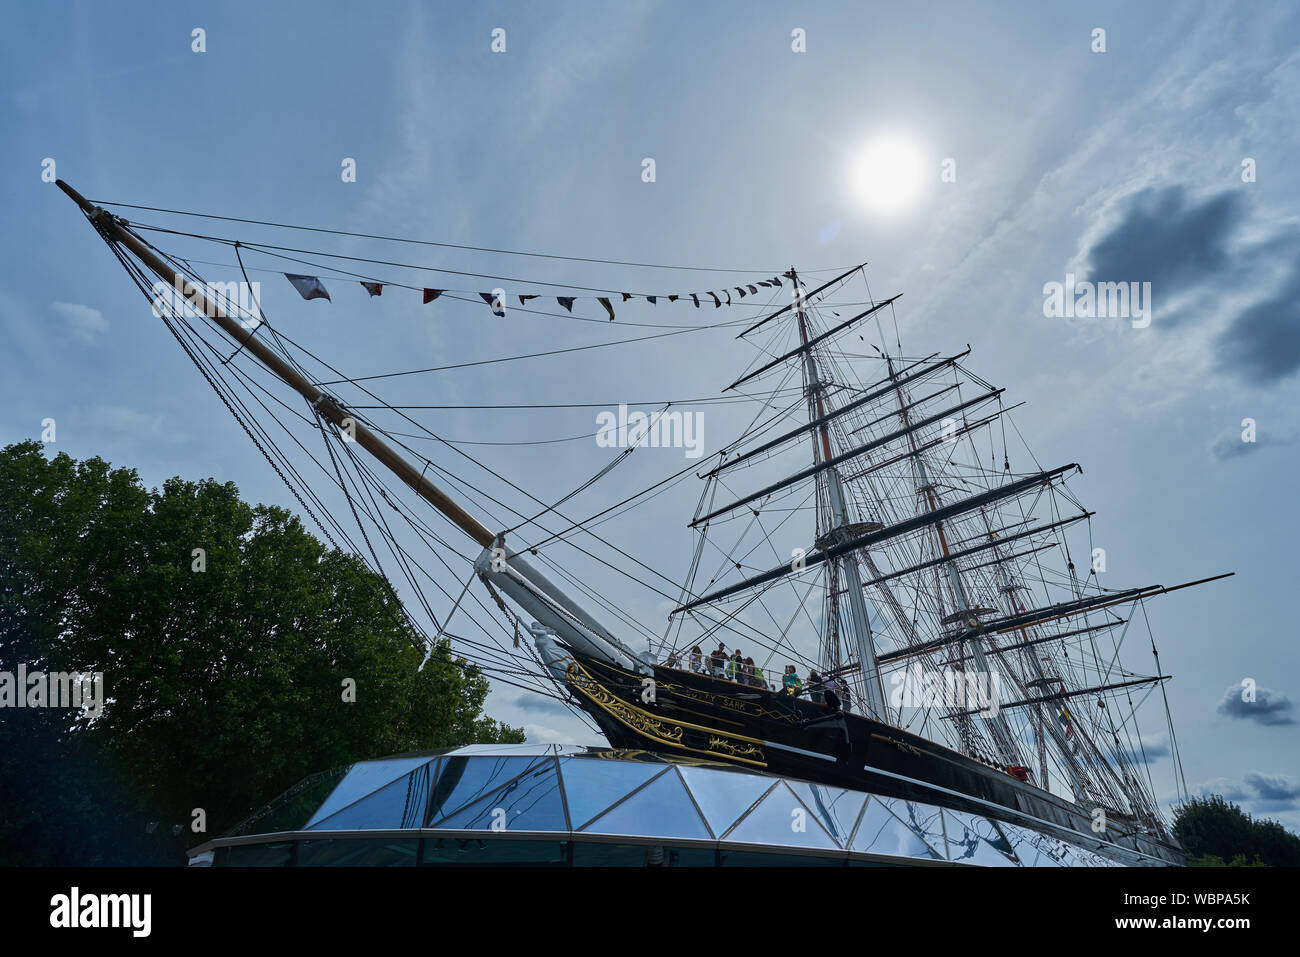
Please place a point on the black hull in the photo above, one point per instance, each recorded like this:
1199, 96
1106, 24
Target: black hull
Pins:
704, 718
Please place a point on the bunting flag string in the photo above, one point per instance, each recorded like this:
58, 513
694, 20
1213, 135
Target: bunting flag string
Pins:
311, 287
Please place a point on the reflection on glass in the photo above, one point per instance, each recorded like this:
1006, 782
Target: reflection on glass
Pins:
781, 819
882, 832
835, 808
977, 840
662, 809
531, 802
463, 780
723, 796
365, 778
592, 786
400, 804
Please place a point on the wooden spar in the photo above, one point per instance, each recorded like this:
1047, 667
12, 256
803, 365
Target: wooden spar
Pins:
324, 403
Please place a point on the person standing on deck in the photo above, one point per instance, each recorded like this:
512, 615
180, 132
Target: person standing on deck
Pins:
815, 686
830, 692
718, 659
790, 682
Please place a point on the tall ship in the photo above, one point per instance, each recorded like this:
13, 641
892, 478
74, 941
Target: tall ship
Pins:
886, 591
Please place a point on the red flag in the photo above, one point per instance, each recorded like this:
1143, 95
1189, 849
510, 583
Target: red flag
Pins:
432, 294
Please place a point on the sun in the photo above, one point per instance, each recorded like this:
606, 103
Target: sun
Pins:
887, 175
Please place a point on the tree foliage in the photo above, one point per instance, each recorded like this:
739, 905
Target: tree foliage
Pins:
223, 686
1218, 833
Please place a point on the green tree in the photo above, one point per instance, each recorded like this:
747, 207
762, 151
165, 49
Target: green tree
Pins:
224, 686
1217, 833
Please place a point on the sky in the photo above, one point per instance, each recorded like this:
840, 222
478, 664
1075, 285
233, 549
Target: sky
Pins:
1167, 157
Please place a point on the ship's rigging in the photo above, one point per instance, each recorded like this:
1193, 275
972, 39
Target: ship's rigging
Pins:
921, 547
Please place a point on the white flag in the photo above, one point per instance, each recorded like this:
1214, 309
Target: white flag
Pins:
309, 287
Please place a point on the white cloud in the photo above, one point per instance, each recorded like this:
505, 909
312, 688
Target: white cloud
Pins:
84, 323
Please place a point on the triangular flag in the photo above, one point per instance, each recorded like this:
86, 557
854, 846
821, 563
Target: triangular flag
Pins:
432, 294
498, 305
626, 296
673, 298
374, 288
764, 282
728, 295
604, 301
566, 301
716, 301
696, 299
775, 280
741, 291
752, 289
309, 287
652, 299
524, 299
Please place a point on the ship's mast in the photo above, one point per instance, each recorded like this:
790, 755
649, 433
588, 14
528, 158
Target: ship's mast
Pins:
925, 489
859, 623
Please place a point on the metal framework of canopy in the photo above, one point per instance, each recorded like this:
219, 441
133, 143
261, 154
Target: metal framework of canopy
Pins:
569, 805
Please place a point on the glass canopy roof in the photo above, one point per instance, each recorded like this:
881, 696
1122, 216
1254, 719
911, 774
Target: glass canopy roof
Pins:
579, 794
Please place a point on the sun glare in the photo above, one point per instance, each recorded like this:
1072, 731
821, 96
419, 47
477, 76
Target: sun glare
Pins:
888, 174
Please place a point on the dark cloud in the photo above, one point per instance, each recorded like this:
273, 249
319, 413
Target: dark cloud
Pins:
1268, 708
1166, 236
1262, 344
539, 704
1149, 751
1230, 446
1272, 787
1256, 792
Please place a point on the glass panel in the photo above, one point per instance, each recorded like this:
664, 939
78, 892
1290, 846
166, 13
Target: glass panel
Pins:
1035, 849
364, 778
531, 802
724, 796
837, 809
462, 781
488, 850
400, 804
976, 840
881, 832
342, 852
259, 855
662, 808
295, 807
592, 786
781, 819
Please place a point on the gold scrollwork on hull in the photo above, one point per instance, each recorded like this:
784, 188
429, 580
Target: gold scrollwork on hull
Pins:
672, 733
735, 749
747, 708
901, 745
